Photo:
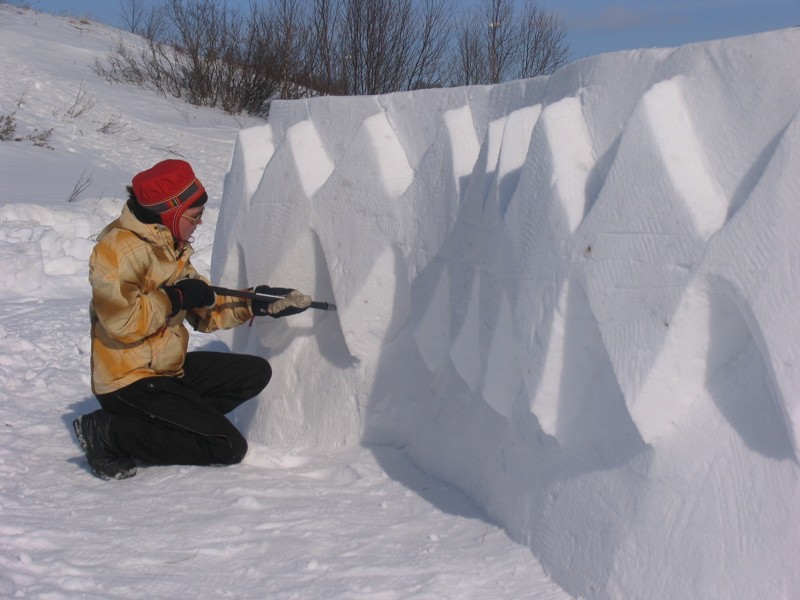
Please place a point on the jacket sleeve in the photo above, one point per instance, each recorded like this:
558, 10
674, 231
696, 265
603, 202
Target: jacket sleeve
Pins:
126, 309
226, 313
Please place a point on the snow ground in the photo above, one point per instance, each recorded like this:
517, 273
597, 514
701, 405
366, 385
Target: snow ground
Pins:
293, 522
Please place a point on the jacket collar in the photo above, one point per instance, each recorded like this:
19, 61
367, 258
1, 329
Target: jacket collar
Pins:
153, 233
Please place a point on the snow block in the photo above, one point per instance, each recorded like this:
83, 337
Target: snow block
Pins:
573, 297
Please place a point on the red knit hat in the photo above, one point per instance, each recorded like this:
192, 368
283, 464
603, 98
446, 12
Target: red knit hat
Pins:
168, 189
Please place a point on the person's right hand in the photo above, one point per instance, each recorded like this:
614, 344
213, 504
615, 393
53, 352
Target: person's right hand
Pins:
190, 293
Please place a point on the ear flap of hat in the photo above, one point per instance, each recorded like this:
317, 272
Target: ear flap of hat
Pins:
172, 218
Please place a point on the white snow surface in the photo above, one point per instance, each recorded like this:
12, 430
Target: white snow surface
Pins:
573, 298
293, 521
564, 361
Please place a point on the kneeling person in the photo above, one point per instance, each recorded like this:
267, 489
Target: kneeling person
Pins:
159, 403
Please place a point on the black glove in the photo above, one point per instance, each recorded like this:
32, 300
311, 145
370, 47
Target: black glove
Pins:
189, 293
292, 302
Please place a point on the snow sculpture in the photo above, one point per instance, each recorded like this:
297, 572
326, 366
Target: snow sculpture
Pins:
574, 297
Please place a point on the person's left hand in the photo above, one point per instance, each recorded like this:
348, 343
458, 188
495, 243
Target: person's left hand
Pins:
291, 302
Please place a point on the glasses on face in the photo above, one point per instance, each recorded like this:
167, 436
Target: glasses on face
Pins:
196, 219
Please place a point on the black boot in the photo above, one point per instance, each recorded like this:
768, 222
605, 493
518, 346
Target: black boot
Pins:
94, 436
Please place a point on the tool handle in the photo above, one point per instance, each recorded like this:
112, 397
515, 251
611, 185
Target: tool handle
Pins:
260, 296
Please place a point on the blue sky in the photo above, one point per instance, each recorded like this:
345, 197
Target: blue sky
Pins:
594, 26
600, 26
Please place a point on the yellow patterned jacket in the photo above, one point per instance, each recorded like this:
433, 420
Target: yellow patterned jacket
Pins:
133, 335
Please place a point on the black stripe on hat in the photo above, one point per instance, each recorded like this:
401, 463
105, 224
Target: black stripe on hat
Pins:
174, 202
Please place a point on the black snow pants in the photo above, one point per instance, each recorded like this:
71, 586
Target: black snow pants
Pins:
181, 421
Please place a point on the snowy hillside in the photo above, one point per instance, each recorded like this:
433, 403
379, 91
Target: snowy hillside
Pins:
291, 521
574, 298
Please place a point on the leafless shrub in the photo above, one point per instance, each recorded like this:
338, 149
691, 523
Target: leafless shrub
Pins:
83, 183
122, 65
8, 127
22, 97
172, 149
82, 104
206, 54
8, 130
212, 55
40, 139
112, 125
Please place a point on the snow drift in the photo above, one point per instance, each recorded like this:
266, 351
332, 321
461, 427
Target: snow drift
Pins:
574, 297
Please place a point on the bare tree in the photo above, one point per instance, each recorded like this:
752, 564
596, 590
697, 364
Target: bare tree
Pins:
542, 42
291, 37
153, 24
500, 38
198, 30
132, 13
495, 44
140, 19
212, 55
429, 46
469, 61
391, 45
325, 72
376, 44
